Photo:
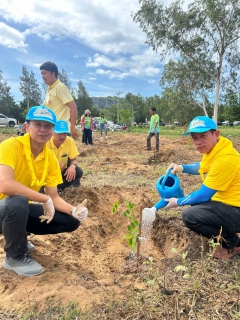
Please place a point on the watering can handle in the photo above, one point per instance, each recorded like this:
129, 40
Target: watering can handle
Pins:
165, 178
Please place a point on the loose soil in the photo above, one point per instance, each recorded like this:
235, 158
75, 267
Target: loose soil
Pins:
91, 266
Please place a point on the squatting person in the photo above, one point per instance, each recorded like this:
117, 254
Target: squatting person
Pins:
66, 152
215, 207
26, 164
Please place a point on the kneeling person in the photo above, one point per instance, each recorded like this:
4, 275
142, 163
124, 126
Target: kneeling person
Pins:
66, 152
26, 164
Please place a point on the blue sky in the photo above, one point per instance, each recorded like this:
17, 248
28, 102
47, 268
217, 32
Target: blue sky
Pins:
94, 41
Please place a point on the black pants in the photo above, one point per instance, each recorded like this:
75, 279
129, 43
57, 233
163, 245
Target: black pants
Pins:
17, 217
83, 140
88, 136
65, 184
207, 219
149, 137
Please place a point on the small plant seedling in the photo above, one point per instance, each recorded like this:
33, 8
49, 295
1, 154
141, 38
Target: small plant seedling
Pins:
115, 207
132, 227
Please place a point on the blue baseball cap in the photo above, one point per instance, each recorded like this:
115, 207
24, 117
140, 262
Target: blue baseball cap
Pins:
200, 124
41, 113
61, 127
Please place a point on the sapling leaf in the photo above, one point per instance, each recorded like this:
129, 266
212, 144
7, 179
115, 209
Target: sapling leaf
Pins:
180, 268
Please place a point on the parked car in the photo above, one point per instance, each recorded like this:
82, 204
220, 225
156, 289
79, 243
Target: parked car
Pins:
161, 123
4, 120
227, 123
236, 123
219, 123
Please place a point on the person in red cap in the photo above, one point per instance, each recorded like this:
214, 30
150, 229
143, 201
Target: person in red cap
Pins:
214, 210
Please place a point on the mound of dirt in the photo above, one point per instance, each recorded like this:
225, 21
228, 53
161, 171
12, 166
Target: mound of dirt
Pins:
88, 265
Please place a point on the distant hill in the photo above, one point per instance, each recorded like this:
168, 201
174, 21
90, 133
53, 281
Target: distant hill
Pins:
104, 102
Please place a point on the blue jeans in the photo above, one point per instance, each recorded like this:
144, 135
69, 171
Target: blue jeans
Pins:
103, 127
207, 218
17, 217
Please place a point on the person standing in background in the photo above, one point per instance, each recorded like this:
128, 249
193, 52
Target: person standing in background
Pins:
103, 122
88, 127
58, 97
154, 129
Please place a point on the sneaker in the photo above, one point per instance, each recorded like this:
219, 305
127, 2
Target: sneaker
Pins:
222, 253
106, 137
101, 138
26, 266
30, 246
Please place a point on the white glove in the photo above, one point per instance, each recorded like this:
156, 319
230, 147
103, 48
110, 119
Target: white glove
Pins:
153, 130
175, 168
172, 203
49, 211
80, 212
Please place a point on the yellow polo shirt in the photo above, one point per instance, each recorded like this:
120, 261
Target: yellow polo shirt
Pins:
57, 96
12, 154
68, 148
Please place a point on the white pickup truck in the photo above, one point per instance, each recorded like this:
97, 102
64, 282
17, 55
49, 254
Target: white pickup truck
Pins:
4, 120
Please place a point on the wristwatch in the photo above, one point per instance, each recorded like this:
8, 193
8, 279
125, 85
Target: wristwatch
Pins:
74, 164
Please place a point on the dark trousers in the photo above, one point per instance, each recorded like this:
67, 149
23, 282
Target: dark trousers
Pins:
88, 136
207, 219
83, 140
149, 137
17, 217
65, 184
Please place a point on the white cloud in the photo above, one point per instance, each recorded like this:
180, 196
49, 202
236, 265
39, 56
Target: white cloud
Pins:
12, 38
75, 56
140, 65
106, 26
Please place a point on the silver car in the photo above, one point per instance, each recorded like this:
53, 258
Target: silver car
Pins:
4, 120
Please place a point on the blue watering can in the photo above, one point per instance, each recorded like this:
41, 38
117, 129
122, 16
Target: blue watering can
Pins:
168, 186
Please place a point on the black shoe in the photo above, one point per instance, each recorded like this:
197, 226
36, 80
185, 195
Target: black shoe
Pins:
148, 149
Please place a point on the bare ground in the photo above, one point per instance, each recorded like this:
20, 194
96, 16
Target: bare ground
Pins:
92, 272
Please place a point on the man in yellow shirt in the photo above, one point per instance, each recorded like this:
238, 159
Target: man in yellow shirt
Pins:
214, 210
66, 152
58, 97
26, 164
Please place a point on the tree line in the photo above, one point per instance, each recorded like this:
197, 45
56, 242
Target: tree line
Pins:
202, 79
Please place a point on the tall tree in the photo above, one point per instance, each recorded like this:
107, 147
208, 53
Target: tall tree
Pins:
63, 77
30, 88
83, 100
185, 73
7, 104
207, 31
